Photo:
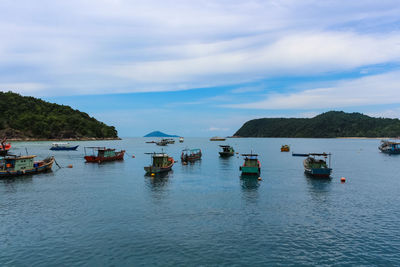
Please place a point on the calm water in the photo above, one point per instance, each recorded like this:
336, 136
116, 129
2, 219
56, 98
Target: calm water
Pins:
203, 213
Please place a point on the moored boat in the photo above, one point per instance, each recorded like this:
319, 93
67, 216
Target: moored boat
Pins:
102, 154
285, 148
227, 151
315, 164
217, 138
251, 165
389, 147
181, 139
63, 146
12, 165
191, 155
162, 142
160, 163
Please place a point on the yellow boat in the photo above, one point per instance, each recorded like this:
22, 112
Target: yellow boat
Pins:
285, 148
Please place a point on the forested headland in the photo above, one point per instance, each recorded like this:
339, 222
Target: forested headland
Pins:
326, 125
26, 118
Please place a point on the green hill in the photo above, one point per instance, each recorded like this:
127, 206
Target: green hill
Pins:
31, 118
159, 134
326, 125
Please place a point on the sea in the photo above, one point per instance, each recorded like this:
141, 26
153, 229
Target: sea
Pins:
204, 214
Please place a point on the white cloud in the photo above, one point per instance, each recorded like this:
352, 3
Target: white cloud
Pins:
370, 90
110, 46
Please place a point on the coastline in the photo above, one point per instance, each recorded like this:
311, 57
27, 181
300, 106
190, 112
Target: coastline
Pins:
63, 139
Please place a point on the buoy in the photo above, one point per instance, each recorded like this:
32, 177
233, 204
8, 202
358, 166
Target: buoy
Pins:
153, 174
133, 156
259, 178
343, 179
70, 166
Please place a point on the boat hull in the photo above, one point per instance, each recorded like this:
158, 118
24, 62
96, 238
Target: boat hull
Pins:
44, 168
246, 170
96, 159
59, 148
152, 169
390, 151
226, 154
318, 172
191, 158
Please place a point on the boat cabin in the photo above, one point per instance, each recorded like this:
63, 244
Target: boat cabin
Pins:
102, 152
16, 163
250, 160
160, 160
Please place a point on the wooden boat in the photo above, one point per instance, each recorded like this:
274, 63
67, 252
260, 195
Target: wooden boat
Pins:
62, 146
102, 154
161, 162
251, 165
285, 148
190, 155
389, 147
181, 139
163, 142
216, 138
169, 140
4, 148
227, 151
12, 165
315, 164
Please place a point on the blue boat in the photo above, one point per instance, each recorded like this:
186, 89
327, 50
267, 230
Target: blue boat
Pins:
315, 164
63, 146
389, 147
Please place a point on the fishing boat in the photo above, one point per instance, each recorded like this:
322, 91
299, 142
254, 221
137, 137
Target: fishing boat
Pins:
389, 147
161, 163
4, 148
151, 142
181, 139
102, 154
190, 155
251, 165
315, 164
216, 138
285, 148
227, 151
13, 165
169, 140
162, 142
62, 146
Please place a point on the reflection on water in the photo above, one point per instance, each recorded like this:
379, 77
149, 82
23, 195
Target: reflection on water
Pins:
225, 163
159, 181
249, 185
318, 187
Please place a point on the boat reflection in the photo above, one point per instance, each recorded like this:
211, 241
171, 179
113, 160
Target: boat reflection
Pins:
158, 181
318, 187
249, 182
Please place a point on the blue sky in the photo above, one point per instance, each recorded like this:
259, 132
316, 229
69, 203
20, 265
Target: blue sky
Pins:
203, 68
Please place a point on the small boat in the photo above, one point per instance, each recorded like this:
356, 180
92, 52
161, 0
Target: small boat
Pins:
285, 148
181, 139
12, 165
162, 142
227, 151
101, 154
216, 138
4, 148
389, 147
62, 146
161, 162
251, 165
190, 155
315, 164
151, 142
169, 140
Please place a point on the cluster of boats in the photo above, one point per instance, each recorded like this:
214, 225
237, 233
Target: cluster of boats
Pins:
315, 164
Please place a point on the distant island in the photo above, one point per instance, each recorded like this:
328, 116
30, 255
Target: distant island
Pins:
159, 134
29, 118
331, 124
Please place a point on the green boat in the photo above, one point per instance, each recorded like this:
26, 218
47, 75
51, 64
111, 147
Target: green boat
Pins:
227, 151
12, 165
161, 162
251, 165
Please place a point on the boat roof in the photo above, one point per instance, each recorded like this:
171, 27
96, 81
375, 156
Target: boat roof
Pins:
158, 155
19, 157
192, 149
224, 146
99, 148
60, 143
249, 155
319, 154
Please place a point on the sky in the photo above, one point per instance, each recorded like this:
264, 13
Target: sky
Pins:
203, 68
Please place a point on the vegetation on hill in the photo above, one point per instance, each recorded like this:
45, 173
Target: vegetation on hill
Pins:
326, 125
28, 117
159, 134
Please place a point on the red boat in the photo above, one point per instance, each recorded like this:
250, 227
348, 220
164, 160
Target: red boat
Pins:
103, 154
